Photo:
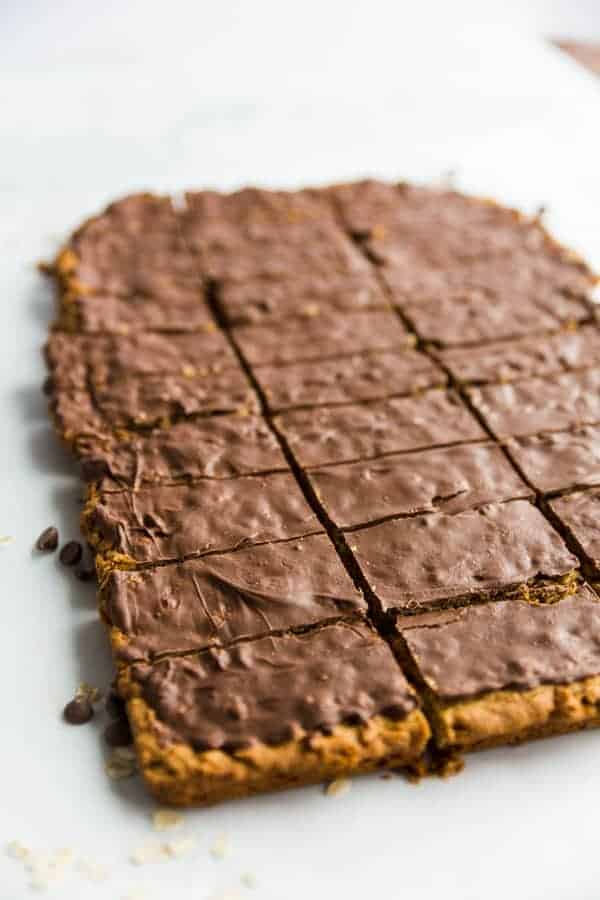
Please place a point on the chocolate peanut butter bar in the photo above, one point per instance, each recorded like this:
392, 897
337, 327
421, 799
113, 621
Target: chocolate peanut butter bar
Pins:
508, 671
540, 404
166, 523
579, 514
348, 379
271, 713
559, 461
504, 361
149, 402
322, 336
450, 479
441, 560
222, 598
362, 431
75, 359
210, 447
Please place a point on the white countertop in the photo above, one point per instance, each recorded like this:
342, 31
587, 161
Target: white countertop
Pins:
277, 94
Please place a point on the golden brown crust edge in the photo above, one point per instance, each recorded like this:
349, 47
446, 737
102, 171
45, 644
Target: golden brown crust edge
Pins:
179, 775
510, 717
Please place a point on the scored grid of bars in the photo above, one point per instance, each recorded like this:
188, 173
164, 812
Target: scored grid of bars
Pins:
243, 278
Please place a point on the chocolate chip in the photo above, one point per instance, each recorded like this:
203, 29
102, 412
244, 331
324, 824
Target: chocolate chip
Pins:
115, 706
118, 733
71, 553
48, 539
87, 572
78, 711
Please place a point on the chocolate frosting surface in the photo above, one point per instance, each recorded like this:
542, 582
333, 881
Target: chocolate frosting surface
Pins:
580, 512
557, 461
274, 689
213, 447
451, 479
154, 400
368, 376
510, 360
507, 645
222, 598
337, 434
75, 358
180, 308
321, 336
539, 404
168, 523
425, 560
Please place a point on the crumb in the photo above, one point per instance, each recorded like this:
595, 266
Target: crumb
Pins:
179, 847
220, 848
163, 819
93, 694
17, 850
338, 787
122, 763
248, 879
6, 539
147, 853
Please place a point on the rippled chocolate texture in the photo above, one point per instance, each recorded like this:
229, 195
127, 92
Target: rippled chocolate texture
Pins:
226, 597
316, 426
275, 689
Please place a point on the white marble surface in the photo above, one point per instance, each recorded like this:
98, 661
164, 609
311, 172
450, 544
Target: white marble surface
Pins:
101, 99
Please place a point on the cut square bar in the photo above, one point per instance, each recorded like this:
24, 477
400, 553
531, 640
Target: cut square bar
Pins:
440, 560
161, 524
450, 479
559, 461
272, 713
579, 514
222, 598
213, 447
349, 379
346, 433
507, 672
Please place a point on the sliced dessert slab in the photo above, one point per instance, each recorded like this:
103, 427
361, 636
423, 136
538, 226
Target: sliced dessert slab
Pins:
508, 671
449, 479
439, 560
539, 355
346, 433
271, 713
532, 405
348, 379
579, 513
222, 598
167, 523
323, 336
211, 447
559, 461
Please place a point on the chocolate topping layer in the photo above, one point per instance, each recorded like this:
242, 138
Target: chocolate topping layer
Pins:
431, 560
75, 358
214, 447
321, 336
345, 433
147, 402
539, 404
557, 461
450, 479
580, 513
508, 645
222, 598
168, 523
510, 360
368, 376
274, 689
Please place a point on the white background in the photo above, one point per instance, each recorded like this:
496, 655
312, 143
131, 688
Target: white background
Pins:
98, 99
